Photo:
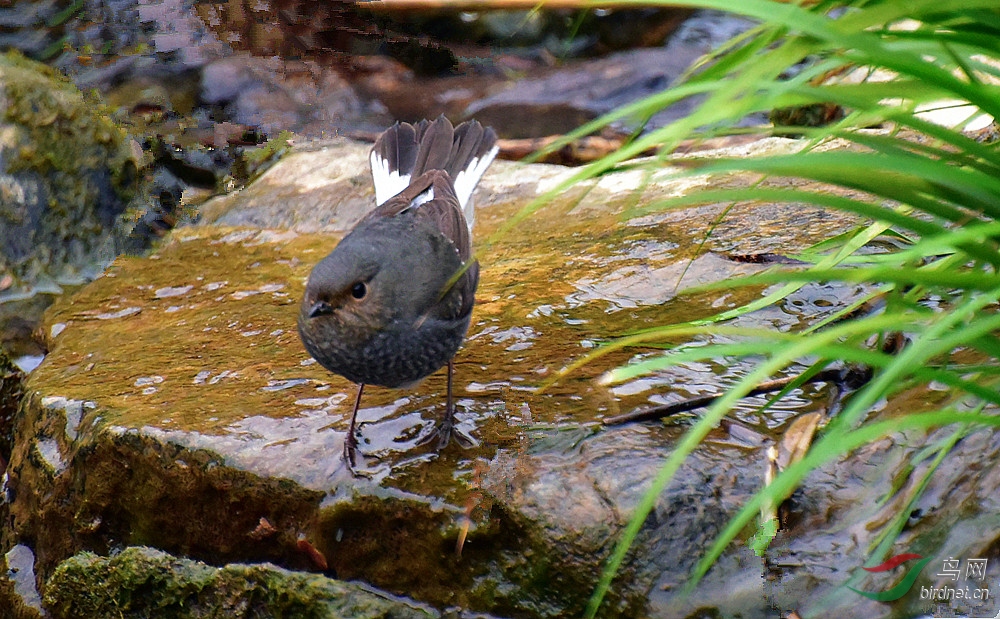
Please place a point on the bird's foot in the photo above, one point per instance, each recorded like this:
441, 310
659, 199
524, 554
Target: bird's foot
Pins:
444, 432
351, 452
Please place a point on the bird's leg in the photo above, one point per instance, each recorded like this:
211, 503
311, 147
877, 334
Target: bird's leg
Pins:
444, 431
351, 442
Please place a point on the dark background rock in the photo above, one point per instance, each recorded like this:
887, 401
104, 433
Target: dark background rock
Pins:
101, 42
277, 95
11, 391
569, 97
19, 320
563, 98
317, 68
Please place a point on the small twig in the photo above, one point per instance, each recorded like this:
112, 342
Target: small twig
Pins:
851, 377
473, 5
385, 6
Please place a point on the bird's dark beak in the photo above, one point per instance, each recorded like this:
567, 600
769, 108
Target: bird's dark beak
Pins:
320, 308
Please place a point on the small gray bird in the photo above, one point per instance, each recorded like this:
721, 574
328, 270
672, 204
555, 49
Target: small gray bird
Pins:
392, 302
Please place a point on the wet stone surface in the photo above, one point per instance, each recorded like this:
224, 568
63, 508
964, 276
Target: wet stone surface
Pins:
177, 409
565, 98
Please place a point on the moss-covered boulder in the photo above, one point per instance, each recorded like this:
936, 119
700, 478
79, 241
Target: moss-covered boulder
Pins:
67, 175
144, 582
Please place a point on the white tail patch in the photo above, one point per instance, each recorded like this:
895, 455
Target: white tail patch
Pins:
387, 182
426, 196
467, 179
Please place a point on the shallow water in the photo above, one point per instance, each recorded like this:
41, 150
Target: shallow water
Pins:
198, 344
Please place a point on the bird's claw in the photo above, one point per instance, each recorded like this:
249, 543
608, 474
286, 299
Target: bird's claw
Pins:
444, 432
351, 452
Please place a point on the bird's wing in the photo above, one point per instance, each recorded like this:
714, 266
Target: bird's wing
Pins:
431, 199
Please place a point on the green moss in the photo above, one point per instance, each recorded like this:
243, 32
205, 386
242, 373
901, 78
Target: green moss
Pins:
16, 59
69, 172
252, 162
142, 582
64, 134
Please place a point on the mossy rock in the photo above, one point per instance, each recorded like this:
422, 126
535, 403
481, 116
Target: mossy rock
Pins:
144, 582
67, 175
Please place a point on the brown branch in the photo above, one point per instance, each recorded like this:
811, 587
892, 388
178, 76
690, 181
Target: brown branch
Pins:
850, 376
475, 5
384, 6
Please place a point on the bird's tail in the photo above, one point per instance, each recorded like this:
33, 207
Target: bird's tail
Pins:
404, 152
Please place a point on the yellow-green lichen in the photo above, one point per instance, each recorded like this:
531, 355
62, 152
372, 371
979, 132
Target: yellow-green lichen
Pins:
63, 132
252, 162
143, 582
68, 174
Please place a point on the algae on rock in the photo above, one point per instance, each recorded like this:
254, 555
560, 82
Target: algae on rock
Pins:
144, 582
67, 175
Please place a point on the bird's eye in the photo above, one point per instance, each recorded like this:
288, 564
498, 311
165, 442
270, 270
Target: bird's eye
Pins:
359, 290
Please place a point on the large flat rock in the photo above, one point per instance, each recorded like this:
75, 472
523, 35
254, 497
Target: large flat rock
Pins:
178, 410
